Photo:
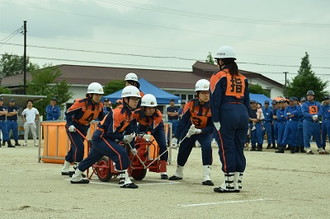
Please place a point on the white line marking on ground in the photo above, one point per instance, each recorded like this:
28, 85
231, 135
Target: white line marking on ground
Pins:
115, 183
223, 202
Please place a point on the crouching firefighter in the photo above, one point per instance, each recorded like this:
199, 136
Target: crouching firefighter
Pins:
116, 126
150, 119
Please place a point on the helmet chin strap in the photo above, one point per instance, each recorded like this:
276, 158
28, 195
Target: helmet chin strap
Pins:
221, 67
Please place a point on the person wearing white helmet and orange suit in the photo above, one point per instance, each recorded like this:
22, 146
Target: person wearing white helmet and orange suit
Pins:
195, 125
132, 79
117, 125
150, 119
230, 106
78, 117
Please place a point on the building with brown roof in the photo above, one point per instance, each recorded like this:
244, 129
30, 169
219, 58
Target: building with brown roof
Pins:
180, 83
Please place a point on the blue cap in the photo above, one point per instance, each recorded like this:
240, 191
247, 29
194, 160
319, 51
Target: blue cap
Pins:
106, 100
253, 101
266, 102
12, 100
293, 99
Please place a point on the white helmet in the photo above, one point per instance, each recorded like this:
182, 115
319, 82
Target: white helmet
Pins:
95, 88
131, 77
130, 91
202, 85
149, 100
225, 52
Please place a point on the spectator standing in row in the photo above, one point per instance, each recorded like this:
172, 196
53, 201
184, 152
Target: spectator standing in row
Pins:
30, 115
173, 116
3, 124
325, 120
53, 111
107, 106
12, 120
268, 120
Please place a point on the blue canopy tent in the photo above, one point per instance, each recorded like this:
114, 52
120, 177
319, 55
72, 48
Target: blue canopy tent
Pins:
260, 98
146, 87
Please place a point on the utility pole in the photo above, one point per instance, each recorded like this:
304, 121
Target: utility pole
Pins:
24, 57
285, 79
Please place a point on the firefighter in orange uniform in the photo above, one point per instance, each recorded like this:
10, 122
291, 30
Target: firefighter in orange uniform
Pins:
230, 104
150, 119
117, 125
79, 116
196, 124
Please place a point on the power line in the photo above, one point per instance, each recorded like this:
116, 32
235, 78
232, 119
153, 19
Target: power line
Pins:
158, 57
208, 16
10, 36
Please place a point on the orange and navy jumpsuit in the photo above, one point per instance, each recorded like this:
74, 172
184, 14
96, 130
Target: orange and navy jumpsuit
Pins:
105, 140
199, 115
80, 114
155, 125
230, 104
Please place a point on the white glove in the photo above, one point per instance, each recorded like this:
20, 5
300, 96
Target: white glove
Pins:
174, 142
72, 128
129, 138
217, 125
147, 137
191, 131
288, 114
314, 117
134, 151
198, 131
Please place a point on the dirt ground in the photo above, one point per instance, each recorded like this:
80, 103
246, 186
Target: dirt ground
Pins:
275, 186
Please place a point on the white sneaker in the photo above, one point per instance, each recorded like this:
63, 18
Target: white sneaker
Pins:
24, 144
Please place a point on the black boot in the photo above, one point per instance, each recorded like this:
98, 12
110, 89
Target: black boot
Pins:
288, 148
9, 144
16, 143
302, 149
274, 146
269, 146
280, 149
253, 148
259, 147
293, 150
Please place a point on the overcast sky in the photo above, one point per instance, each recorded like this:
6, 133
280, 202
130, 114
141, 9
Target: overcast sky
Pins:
269, 37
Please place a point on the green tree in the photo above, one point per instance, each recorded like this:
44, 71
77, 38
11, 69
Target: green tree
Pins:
113, 86
44, 82
4, 90
257, 89
13, 64
306, 80
209, 59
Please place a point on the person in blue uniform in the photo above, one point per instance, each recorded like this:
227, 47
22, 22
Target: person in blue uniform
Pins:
299, 133
3, 124
12, 115
107, 106
150, 119
312, 112
268, 120
195, 125
78, 117
53, 111
256, 127
118, 125
173, 116
229, 105
292, 114
325, 120
275, 106
281, 120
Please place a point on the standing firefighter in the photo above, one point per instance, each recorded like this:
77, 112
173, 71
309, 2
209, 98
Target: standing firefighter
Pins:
78, 118
230, 104
195, 125
116, 126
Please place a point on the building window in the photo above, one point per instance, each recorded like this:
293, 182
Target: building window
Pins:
183, 97
190, 96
